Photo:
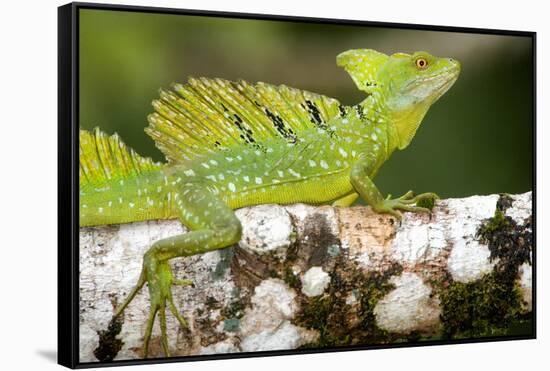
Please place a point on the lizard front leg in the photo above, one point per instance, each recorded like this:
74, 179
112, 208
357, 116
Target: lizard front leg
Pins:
366, 188
213, 226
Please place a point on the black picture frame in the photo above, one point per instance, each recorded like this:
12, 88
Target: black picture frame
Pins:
68, 178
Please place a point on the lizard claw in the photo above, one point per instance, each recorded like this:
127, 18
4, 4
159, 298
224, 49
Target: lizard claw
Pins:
408, 202
159, 278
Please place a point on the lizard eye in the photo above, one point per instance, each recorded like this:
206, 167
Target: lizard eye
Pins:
421, 63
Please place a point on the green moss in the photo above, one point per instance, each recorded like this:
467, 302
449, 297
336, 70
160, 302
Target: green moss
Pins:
273, 273
492, 225
491, 305
371, 291
427, 203
485, 307
340, 324
508, 242
293, 236
234, 310
211, 303
109, 345
233, 313
291, 279
504, 201
413, 337
316, 315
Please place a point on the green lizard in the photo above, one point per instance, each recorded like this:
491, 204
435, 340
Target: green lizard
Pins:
232, 144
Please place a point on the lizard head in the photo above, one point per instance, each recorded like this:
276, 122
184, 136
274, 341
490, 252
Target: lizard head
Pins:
405, 85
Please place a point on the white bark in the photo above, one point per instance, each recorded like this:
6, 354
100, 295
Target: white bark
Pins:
240, 300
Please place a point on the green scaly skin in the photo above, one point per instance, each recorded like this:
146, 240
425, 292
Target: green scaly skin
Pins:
330, 160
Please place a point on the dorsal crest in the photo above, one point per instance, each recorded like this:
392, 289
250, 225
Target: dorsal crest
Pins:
363, 66
104, 157
206, 116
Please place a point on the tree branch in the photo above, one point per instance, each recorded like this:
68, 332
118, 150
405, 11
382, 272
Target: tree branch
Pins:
318, 276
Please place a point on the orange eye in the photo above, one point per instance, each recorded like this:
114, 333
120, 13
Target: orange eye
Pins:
421, 63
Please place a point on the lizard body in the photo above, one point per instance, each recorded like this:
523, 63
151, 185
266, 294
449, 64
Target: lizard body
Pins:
231, 144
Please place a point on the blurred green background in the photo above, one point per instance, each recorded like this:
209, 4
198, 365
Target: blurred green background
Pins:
476, 140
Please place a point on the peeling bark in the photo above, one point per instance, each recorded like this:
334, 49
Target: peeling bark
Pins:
305, 276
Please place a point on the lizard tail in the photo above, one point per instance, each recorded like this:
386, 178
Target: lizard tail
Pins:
104, 157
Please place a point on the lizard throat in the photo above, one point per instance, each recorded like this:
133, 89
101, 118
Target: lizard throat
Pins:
406, 123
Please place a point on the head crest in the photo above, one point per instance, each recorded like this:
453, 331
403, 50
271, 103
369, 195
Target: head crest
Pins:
363, 66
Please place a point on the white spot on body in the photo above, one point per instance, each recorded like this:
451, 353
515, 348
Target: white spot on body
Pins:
232, 187
342, 152
324, 164
294, 173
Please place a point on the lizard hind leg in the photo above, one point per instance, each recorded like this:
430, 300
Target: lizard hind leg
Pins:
213, 226
347, 200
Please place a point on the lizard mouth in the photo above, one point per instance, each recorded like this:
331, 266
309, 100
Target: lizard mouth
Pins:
433, 86
445, 85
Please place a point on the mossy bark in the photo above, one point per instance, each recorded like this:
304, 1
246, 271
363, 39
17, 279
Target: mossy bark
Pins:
462, 272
